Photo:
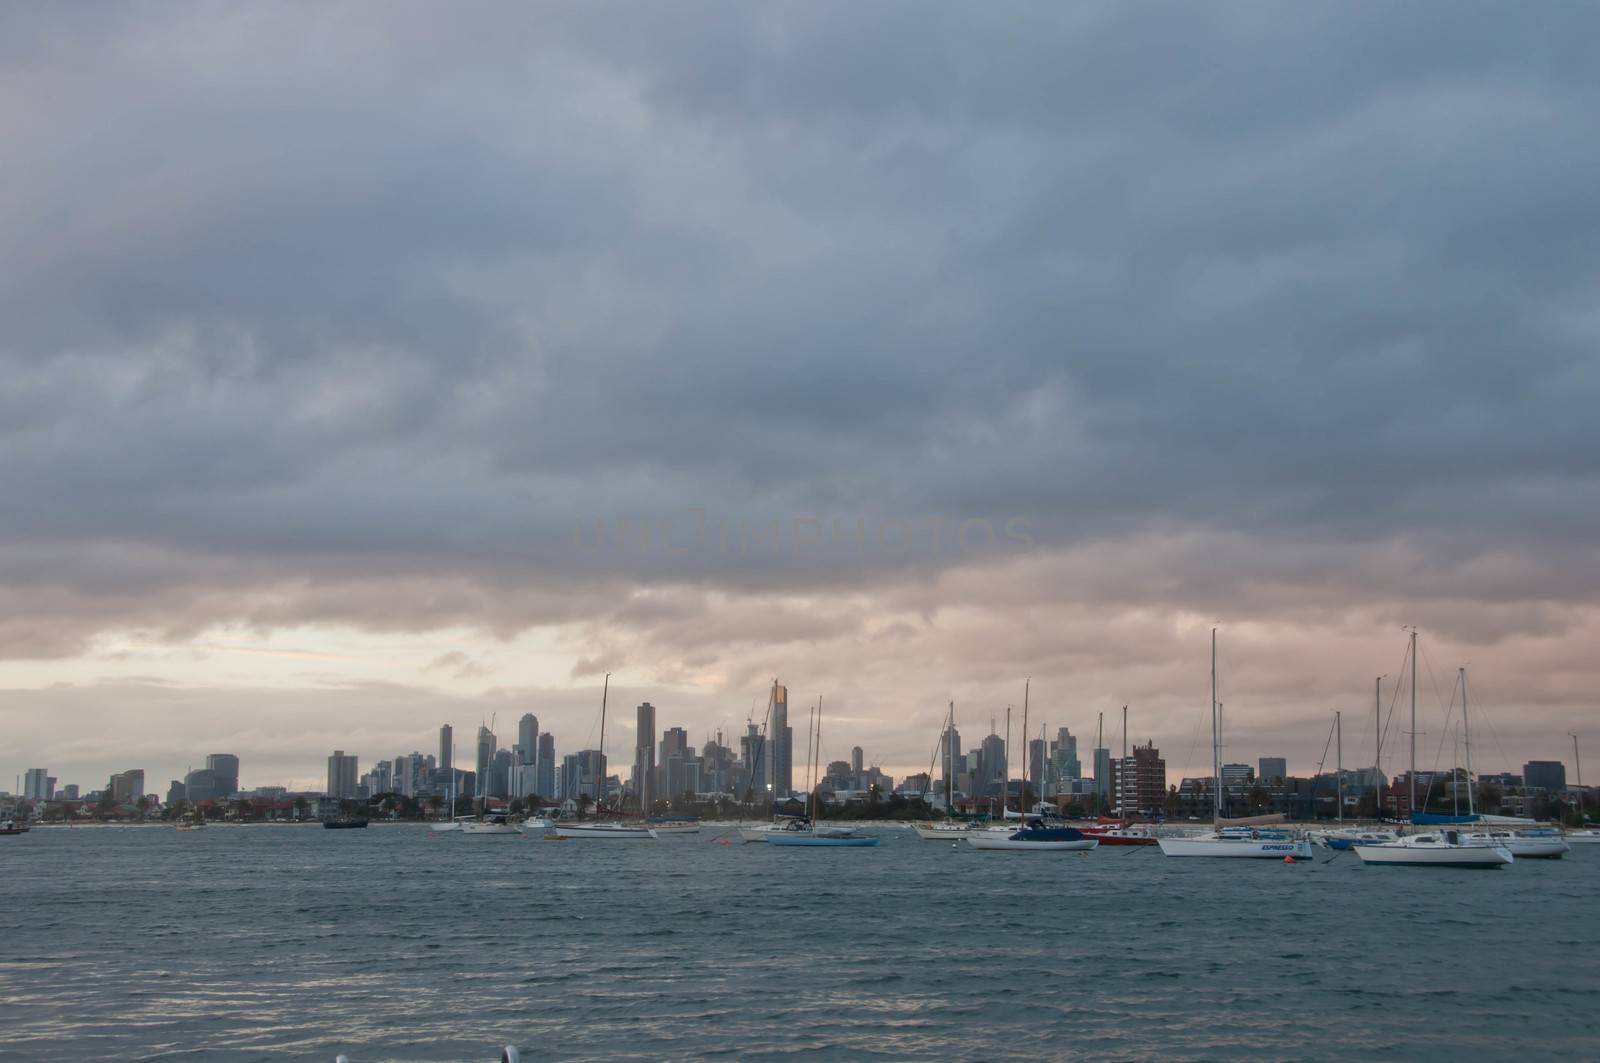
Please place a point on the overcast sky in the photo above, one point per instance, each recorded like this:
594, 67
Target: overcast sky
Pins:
367, 367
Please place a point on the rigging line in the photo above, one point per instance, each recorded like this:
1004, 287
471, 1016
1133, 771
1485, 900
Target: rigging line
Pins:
1325, 747
1394, 698
1438, 754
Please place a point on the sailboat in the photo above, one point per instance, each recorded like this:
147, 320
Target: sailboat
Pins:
455, 823
951, 829
612, 832
1247, 842
1034, 835
1444, 848
832, 837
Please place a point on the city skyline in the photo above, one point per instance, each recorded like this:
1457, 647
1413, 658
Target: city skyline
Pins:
1071, 357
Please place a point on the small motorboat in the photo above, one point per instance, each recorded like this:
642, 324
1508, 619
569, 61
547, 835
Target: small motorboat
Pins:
11, 826
490, 825
345, 823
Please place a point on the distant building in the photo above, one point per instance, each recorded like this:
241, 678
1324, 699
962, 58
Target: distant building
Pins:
583, 774
857, 760
780, 745
1272, 770
36, 785
224, 768
545, 765
528, 736
200, 785
447, 756
950, 756
486, 747
127, 785
1037, 750
176, 792
343, 772
1139, 782
1547, 775
1102, 775
991, 767
644, 755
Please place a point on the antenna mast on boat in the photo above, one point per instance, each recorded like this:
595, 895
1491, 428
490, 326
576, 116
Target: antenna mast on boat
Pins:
1377, 756
1005, 767
600, 783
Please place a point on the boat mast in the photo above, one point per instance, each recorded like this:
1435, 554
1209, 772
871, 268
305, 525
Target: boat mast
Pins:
1101, 786
1466, 735
1577, 762
1377, 757
1412, 800
816, 760
1005, 767
1216, 764
1338, 730
600, 783
950, 764
1027, 760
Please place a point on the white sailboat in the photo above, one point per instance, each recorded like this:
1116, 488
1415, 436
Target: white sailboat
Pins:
593, 831
832, 836
1255, 843
1441, 848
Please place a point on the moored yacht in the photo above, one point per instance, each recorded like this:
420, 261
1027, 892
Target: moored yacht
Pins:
1035, 837
1535, 844
1437, 849
1261, 843
1348, 837
613, 832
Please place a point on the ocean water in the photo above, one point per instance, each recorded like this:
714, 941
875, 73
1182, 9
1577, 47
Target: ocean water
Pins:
296, 943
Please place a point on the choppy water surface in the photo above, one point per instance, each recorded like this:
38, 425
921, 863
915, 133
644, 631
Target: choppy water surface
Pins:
277, 943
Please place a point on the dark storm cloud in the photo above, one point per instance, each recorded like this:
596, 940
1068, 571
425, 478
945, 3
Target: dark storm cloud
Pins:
350, 299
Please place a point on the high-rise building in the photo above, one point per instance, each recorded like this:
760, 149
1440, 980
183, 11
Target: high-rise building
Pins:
992, 769
1102, 775
753, 758
225, 768
200, 785
644, 755
36, 785
1139, 782
545, 767
1272, 770
343, 771
857, 761
1067, 765
127, 785
1037, 750
780, 745
486, 748
499, 781
528, 736
583, 775
447, 755
1547, 775
950, 756
176, 792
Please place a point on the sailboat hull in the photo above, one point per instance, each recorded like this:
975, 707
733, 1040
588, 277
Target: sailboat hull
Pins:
942, 832
818, 840
1237, 848
1480, 856
609, 834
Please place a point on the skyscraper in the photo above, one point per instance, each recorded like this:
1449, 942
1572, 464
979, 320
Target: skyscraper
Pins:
644, 756
1102, 776
780, 745
528, 737
545, 767
126, 785
857, 760
447, 757
1139, 782
1273, 769
486, 748
36, 785
1037, 748
950, 756
753, 757
992, 766
1067, 765
342, 775
224, 768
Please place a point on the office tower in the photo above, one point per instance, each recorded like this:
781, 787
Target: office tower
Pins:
200, 785
1037, 748
342, 775
176, 792
950, 755
36, 785
486, 748
583, 775
1102, 776
127, 785
69, 792
780, 745
545, 767
1547, 775
225, 768
992, 769
644, 756
1068, 766
528, 736
447, 756
753, 757
499, 783
1272, 770
857, 760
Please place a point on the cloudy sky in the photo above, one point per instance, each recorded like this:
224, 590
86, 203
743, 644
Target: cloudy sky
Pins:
367, 367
